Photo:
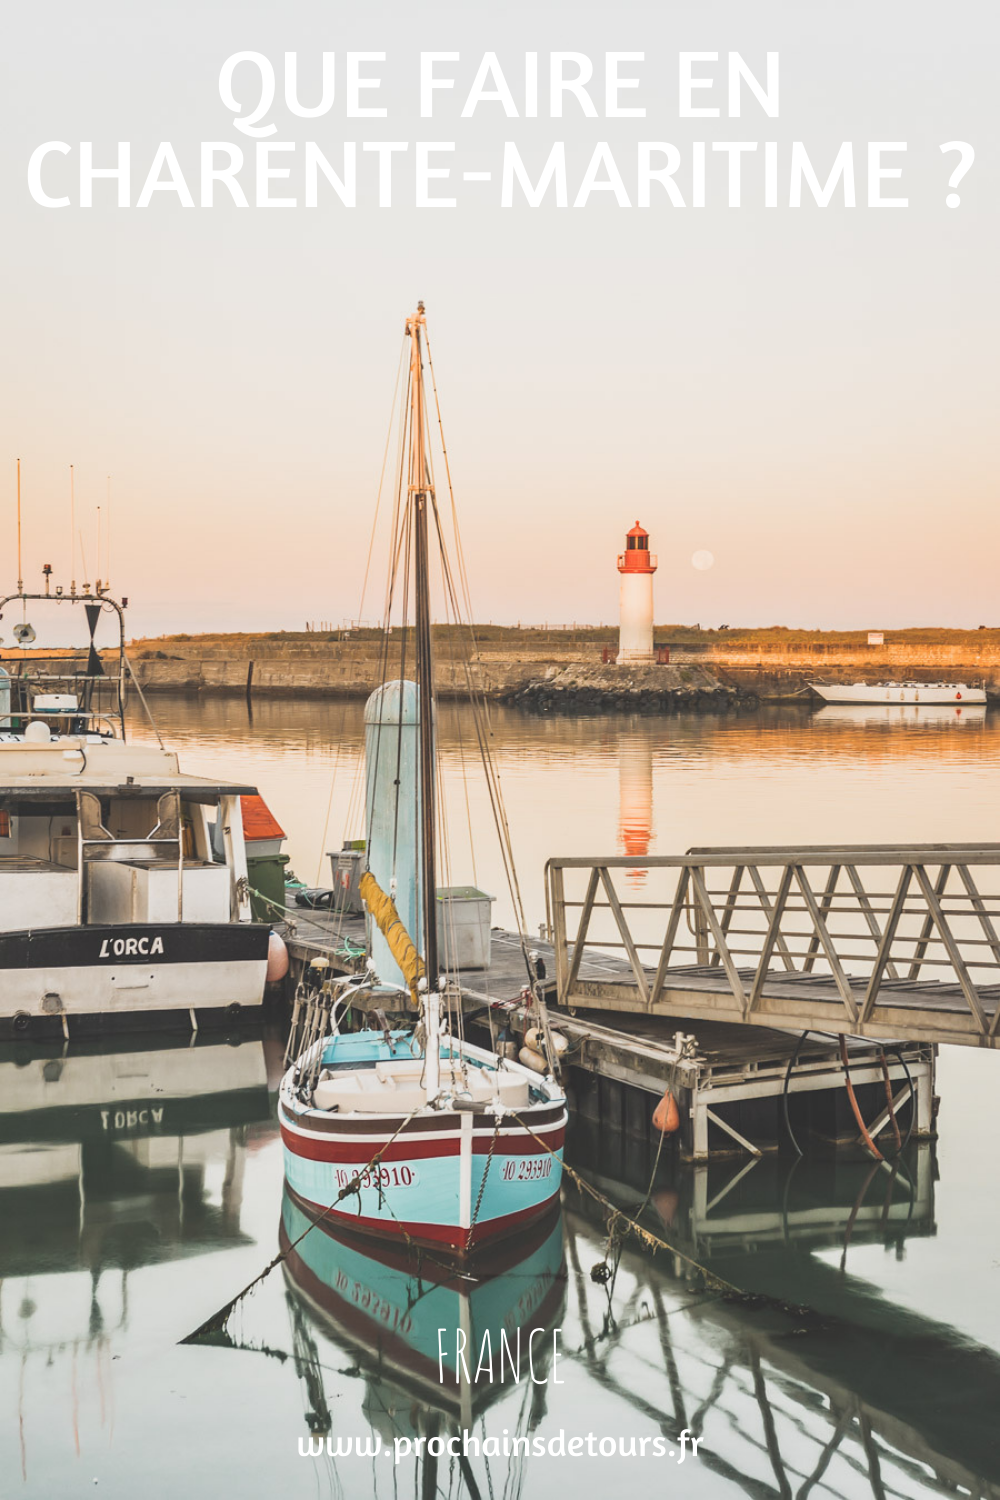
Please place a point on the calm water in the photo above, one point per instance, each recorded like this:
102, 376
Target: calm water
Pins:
140, 1189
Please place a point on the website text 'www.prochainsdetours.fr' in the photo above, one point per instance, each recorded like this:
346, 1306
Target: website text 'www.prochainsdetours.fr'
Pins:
469, 1445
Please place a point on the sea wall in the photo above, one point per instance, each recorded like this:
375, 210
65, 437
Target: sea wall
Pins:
536, 683
778, 672
547, 669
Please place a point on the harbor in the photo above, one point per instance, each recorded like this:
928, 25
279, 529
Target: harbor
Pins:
572, 665
770, 1223
647, 1054
499, 741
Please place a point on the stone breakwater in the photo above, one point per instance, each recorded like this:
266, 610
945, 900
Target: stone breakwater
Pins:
542, 685
655, 689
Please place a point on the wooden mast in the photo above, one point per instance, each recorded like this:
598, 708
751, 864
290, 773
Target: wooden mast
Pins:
421, 494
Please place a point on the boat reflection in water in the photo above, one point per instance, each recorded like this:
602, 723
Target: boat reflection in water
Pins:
103, 1151
904, 715
378, 1301
112, 1160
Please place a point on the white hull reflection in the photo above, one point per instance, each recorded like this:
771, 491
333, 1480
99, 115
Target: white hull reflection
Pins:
903, 715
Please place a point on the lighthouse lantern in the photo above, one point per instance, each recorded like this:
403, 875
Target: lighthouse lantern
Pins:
636, 566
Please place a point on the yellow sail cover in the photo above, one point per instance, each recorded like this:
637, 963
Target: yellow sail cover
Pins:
390, 924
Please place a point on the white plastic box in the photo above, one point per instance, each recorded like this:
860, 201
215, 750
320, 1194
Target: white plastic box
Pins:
463, 927
129, 892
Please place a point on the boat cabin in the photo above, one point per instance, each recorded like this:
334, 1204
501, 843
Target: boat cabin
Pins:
100, 851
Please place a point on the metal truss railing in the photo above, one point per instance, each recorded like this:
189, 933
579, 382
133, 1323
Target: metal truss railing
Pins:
879, 940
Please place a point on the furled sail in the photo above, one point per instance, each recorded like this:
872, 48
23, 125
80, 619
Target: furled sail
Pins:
384, 913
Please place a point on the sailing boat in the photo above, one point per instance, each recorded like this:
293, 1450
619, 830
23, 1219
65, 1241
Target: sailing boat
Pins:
410, 1131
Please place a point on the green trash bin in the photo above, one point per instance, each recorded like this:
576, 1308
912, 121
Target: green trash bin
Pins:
266, 873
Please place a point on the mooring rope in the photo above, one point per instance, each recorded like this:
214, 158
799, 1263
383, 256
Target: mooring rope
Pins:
617, 1218
218, 1320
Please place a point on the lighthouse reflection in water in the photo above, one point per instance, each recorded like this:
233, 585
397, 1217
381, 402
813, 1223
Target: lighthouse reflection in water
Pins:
635, 796
388, 1307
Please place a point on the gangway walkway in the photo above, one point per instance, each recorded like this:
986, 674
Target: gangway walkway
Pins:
880, 941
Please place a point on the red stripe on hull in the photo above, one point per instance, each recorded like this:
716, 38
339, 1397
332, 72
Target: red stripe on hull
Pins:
434, 1236
359, 1153
491, 1261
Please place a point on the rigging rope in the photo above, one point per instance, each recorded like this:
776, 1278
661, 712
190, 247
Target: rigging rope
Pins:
617, 1218
218, 1320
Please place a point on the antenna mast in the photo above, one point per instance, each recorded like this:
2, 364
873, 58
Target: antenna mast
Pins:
72, 532
20, 573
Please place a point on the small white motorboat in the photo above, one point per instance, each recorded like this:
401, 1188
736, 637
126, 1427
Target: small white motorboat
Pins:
898, 692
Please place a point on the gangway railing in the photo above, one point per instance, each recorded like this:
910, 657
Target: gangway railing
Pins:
887, 941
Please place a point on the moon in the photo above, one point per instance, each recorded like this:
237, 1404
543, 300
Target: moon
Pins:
702, 561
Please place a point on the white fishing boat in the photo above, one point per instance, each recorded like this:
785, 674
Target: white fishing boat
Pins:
409, 1131
922, 693
114, 908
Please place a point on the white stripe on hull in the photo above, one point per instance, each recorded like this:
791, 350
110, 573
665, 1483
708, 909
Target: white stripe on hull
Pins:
94, 990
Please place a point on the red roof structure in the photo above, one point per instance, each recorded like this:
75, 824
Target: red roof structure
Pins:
258, 820
637, 557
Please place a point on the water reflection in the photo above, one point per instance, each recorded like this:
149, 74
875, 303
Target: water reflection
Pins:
811, 1384
881, 1388
635, 797
386, 1307
140, 1188
904, 716
821, 1383
580, 786
104, 1153
114, 1160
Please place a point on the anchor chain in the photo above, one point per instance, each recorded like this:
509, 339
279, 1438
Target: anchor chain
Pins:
482, 1185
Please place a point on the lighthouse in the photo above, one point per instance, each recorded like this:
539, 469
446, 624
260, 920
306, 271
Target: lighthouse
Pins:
635, 631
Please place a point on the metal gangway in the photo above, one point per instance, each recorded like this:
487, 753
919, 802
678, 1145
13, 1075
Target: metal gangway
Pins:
882, 941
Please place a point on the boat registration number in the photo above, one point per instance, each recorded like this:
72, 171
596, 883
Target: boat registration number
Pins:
379, 1177
526, 1168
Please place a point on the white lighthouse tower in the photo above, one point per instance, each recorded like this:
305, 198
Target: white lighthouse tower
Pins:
635, 632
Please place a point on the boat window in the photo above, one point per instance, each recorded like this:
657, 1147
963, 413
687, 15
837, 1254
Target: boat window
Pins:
4, 825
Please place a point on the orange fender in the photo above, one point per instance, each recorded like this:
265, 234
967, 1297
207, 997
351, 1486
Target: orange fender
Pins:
666, 1115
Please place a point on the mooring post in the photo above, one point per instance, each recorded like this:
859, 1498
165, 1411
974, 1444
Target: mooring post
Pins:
699, 1125
923, 1083
249, 683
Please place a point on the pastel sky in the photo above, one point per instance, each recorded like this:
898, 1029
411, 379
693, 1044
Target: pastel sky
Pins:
809, 394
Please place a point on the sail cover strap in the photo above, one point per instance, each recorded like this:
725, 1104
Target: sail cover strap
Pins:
390, 924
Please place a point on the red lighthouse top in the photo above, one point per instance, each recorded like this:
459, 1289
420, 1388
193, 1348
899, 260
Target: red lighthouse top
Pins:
637, 557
